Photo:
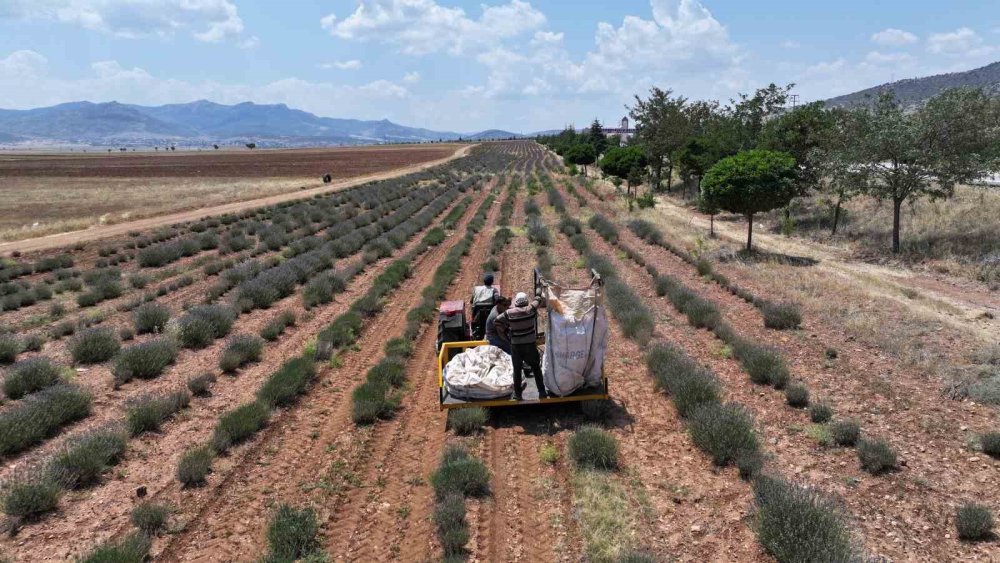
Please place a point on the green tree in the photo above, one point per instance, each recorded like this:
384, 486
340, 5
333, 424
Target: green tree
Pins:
749, 114
581, 154
904, 155
661, 128
750, 182
621, 161
597, 138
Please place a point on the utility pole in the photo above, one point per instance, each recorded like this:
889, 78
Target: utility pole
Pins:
795, 100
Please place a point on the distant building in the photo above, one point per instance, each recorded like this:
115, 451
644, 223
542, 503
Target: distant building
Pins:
622, 132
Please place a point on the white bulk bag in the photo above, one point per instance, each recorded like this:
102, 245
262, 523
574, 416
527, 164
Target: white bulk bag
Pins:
483, 372
576, 339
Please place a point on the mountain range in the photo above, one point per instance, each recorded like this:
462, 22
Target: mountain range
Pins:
915, 91
205, 123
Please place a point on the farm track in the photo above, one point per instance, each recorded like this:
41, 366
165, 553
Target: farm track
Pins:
77, 519
109, 402
313, 453
904, 515
96, 233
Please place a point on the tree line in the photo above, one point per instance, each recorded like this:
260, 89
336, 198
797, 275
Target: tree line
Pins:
756, 154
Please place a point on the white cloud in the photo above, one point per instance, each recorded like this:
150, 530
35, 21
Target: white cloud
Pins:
420, 27
23, 64
411, 77
206, 20
893, 37
251, 42
960, 41
789, 44
352, 64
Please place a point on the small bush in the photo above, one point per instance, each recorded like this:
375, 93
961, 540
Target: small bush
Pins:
62, 329
40, 415
29, 497
291, 534
876, 456
398, 348
702, 314
194, 466
131, 549
452, 527
749, 463
238, 425
688, 384
277, 326
990, 443
724, 431
94, 345
845, 432
32, 343
82, 461
240, 350
765, 365
797, 396
200, 385
126, 334
204, 323
10, 347
150, 518
371, 401
460, 473
30, 376
150, 317
145, 360
704, 267
974, 522
591, 446
781, 316
798, 524
467, 421
195, 333
286, 384
820, 412
147, 413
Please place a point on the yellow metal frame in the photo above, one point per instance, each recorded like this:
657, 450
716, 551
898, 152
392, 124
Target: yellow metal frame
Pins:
443, 354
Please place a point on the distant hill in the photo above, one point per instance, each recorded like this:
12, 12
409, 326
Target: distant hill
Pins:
493, 135
915, 91
205, 123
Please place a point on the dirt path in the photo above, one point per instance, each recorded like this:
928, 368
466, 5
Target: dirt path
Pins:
68, 239
314, 454
958, 304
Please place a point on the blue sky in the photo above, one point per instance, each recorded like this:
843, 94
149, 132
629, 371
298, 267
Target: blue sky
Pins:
464, 66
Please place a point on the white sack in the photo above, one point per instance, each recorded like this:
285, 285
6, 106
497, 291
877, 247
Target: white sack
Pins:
483, 372
575, 340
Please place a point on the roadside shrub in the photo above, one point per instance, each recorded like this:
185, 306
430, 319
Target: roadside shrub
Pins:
798, 524
688, 384
974, 522
94, 345
452, 527
460, 473
150, 518
133, 548
990, 443
590, 446
820, 412
200, 385
241, 349
845, 432
238, 425
876, 456
28, 496
40, 415
286, 384
797, 396
150, 317
467, 421
194, 466
10, 347
724, 431
291, 534
147, 413
82, 461
144, 360
781, 316
29, 376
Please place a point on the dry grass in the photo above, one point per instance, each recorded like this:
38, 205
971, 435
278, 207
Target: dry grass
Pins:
605, 515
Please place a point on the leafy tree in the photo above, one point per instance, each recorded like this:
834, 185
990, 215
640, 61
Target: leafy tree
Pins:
903, 156
751, 182
708, 207
749, 114
621, 161
661, 128
581, 154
